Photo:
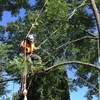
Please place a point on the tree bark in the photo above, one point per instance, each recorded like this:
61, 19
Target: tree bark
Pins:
96, 14
97, 17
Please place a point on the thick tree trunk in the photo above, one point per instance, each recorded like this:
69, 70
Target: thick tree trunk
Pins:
96, 14
97, 17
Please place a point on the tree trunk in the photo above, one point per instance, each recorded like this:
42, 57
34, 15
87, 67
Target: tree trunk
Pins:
96, 14
97, 17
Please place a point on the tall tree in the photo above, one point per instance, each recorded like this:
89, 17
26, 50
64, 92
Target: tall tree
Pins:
66, 31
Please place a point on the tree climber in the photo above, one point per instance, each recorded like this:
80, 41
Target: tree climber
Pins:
29, 47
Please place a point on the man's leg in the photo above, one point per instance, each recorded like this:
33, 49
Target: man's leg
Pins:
29, 59
35, 60
31, 63
35, 57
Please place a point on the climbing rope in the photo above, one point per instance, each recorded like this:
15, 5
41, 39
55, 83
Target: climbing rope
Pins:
35, 22
24, 79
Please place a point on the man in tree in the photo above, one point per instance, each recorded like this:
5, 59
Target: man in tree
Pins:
29, 48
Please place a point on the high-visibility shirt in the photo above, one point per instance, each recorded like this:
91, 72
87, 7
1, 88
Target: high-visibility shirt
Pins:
28, 47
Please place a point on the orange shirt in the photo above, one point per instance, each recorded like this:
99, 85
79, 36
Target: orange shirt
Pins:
29, 47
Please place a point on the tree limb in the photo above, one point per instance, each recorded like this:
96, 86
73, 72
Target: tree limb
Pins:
91, 34
96, 13
10, 79
97, 17
55, 66
73, 62
85, 37
73, 12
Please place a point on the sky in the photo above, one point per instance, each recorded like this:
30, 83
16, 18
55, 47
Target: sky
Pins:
79, 95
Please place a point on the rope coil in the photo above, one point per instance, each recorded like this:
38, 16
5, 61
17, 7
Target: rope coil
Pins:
25, 92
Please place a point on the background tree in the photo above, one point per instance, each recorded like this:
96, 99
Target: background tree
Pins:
13, 7
61, 24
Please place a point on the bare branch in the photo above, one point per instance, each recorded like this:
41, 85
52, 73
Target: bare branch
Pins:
85, 37
68, 62
73, 12
73, 62
91, 34
55, 66
10, 79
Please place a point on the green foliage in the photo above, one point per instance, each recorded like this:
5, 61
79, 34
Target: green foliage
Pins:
13, 6
15, 96
60, 9
16, 66
97, 4
50, 86
2, 86
7, 98
54, 83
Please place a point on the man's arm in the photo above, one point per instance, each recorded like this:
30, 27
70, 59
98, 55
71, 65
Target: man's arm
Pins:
34, 48
22, 44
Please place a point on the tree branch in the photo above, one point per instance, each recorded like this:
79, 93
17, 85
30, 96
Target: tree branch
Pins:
55, 66
91, 34
85, 37
10, 79
73, 12
73, 62
96, 13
